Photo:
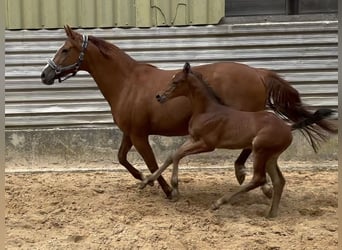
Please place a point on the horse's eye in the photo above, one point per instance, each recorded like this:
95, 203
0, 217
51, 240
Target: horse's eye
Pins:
64, 51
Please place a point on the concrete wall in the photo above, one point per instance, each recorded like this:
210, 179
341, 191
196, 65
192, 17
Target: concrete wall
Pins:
89, 147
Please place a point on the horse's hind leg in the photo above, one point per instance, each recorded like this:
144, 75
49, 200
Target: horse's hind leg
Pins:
258, 179
239, 165
240, 172
125, 146
278, 181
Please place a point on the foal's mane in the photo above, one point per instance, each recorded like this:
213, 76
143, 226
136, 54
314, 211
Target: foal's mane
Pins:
208, 87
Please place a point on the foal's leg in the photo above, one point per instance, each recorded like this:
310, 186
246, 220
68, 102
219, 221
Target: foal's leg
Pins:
126, 145
258, 179
278, 181
267, 188
239, 165
240, 172
143, 147
151, 178
188, 148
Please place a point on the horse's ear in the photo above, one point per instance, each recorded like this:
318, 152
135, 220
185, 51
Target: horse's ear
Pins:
69, 32
186, 68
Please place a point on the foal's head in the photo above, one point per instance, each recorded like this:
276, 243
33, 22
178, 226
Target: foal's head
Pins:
178, 85
68, 59
182, 83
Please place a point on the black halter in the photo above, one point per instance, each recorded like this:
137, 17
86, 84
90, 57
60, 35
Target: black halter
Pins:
74, 67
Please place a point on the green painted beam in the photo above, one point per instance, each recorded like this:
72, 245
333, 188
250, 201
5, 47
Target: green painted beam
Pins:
51, 14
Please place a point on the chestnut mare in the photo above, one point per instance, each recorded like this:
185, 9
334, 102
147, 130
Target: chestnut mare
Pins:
214, 125
130, 87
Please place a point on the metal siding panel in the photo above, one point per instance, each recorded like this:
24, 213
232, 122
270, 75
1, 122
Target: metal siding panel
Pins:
14, 14
143, 13
252, 7
317, 6
50, 14
199, 11
179, 12
303, 53
105, 13
161, 12
68, 12
216, 11
124, 13
31, 14
87, 13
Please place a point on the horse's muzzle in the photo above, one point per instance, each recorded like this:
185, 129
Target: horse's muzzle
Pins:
45, 80
48, 75
161, 98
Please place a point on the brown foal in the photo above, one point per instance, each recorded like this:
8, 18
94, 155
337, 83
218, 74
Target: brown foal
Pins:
214, 125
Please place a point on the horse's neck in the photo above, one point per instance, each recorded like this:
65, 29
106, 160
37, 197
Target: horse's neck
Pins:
201, 100
110, 73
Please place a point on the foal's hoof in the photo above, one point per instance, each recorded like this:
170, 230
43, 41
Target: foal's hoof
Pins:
142, 185
267, 189
215, 206
145, 182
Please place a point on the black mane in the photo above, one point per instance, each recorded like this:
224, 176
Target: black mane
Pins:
208, 87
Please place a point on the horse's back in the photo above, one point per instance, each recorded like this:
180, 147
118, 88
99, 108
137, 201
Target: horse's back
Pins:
238, 85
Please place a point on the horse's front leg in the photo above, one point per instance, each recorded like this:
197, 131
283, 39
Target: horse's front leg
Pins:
151, 178
125, 146
143, 147
239, 165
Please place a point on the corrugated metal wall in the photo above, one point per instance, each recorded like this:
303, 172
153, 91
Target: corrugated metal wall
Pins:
305, 53
51, 14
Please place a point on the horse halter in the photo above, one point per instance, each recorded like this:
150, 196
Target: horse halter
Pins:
74, 67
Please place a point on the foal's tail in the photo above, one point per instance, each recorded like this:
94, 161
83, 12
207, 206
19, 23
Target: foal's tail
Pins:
284, 100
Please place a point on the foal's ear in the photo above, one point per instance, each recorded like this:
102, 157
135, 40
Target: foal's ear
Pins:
186, 68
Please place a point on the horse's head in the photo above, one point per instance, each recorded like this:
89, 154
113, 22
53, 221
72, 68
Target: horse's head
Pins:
67, 60
178, 86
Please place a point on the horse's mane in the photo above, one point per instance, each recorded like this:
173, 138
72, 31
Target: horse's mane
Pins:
208, 87
107, 49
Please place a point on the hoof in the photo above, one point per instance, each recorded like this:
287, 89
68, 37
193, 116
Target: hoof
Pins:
267, 189
240, 174
146, 181
271, 216
142, 185
215, 206
174, 195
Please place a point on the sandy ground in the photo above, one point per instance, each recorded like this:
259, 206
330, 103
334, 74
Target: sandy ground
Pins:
106, 210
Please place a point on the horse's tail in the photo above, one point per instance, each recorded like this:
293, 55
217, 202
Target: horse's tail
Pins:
284, 100
316, 117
